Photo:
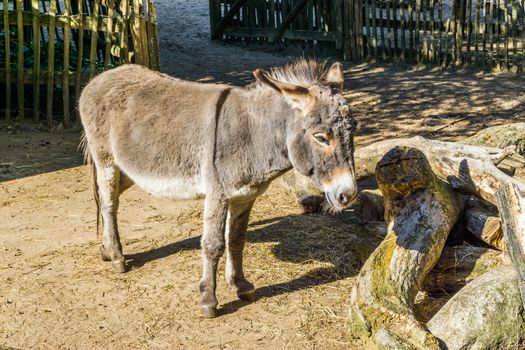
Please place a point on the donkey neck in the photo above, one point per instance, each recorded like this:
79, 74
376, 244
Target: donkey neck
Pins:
262, 120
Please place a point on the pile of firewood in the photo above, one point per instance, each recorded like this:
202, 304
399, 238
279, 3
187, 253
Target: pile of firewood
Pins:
428, 192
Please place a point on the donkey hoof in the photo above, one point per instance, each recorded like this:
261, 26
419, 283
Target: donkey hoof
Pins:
103, 254
119, 266
209, 311
249, 295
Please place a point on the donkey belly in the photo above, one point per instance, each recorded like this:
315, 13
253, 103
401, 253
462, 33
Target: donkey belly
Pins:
170, 187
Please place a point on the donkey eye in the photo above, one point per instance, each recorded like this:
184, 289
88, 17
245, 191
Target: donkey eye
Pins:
321, 139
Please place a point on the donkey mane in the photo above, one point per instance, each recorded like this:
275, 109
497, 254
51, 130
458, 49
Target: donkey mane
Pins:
301, 72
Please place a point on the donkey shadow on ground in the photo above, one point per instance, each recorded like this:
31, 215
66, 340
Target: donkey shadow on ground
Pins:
300, 239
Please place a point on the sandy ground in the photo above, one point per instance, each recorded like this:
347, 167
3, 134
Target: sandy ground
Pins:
56, 293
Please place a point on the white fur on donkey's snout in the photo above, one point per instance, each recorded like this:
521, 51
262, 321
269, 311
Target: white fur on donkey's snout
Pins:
345, 182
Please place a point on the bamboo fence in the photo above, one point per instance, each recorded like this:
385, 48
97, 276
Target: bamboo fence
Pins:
486, 33
51, 47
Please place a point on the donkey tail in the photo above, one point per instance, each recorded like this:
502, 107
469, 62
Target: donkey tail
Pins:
89, 160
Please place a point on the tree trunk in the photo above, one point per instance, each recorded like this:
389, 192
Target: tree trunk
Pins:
486, 314
420, 210
511, 205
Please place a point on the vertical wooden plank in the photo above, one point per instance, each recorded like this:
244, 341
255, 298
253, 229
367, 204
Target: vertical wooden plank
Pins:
492, 58
515, 33
388, 30
410, 30
271, 14
446, 43
144, 39
124, 45
153, 18
80, 51
110, 35
36, 59
403, 29
65, 70
432, 43
375, 52
497, 29
417, 31
338, 15
347, 39
7, 43
476, 32
382, 29
20, 60
469, 31
94, 39
439, 32
506, 27
368, 30
423, 29
522, 63
458, 27
51, 62
359, 28
395, 28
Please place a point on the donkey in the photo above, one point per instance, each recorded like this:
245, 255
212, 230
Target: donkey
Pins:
182, 140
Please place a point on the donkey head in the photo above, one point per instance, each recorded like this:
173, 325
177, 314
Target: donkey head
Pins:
320, 134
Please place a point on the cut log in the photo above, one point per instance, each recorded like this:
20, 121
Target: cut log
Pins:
367, 157
485, 314
420, 210
485, 225
511, 205
500, 136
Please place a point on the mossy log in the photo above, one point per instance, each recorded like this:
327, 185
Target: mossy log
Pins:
486, 314
420, 210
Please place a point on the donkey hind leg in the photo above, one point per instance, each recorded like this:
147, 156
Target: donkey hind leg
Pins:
212, 246
108, 179
238, 216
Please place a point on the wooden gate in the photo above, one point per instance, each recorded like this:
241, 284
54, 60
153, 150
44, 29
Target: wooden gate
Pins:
277, 21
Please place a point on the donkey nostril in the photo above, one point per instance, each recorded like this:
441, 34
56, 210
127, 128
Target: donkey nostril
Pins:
343, 198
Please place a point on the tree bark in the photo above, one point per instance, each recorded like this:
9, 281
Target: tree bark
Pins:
511, 205
486, 314
420, 210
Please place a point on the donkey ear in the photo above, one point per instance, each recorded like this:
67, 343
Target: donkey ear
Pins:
334, 76
297, 96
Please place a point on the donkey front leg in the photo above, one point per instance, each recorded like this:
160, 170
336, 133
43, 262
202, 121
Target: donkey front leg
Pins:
108, 179
212, 246
238, 216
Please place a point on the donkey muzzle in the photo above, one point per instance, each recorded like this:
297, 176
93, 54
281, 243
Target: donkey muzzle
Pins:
341, 191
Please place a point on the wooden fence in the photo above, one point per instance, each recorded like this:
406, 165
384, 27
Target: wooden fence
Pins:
53, 47
488, 33
278, 20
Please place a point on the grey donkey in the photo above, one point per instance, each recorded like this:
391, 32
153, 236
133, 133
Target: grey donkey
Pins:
182, 140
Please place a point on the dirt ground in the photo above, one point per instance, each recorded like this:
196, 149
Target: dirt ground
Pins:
56, 293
